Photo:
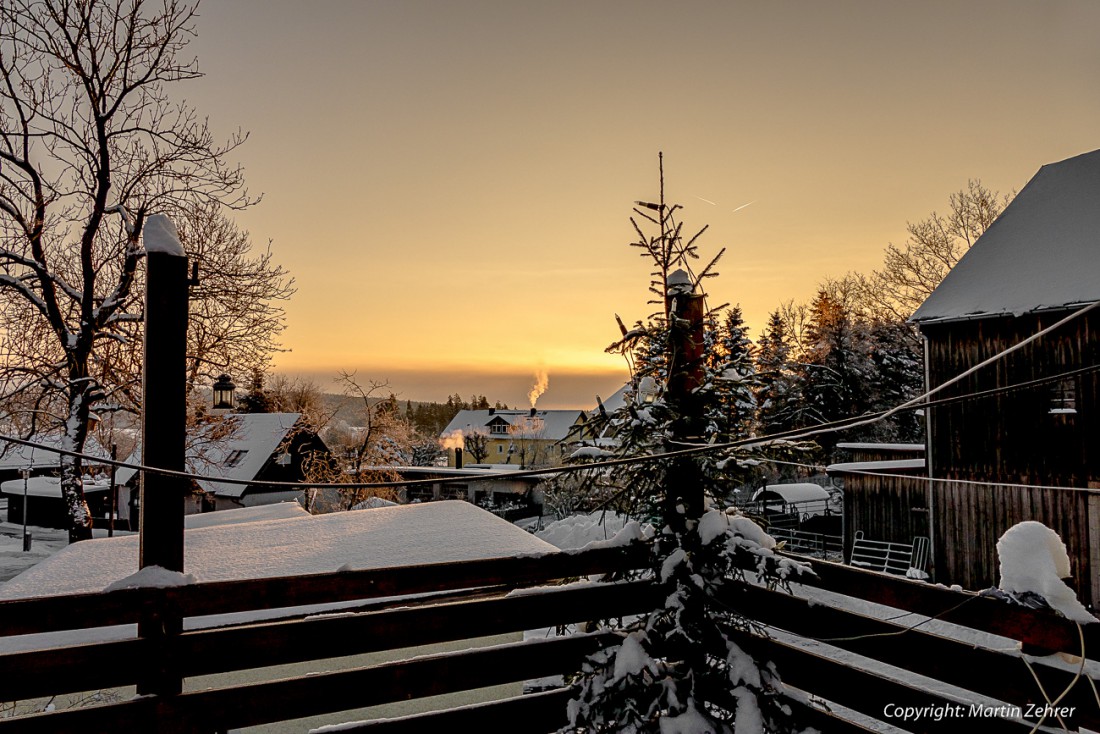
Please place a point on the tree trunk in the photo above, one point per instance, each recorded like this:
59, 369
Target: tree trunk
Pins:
72, 482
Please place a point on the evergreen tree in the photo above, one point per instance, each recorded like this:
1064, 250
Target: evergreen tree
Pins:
836, 371
731, 374
679, 668
256, 400
898, 362
777, 395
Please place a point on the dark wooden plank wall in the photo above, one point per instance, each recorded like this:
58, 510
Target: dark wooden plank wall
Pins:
1012, 437
893, 509
969, 519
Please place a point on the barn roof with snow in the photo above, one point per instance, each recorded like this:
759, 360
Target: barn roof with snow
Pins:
1042, 253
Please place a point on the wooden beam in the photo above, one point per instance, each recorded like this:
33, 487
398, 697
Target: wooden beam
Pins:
1043, 630
221, 650
280, 700
868, 693
124, 606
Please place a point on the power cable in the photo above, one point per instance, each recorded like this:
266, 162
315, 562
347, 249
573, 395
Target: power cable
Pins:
916, 403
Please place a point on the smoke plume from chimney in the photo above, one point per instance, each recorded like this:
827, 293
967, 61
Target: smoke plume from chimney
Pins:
453, 440
542, 381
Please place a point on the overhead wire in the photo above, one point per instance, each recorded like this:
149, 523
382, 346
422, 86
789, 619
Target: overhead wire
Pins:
917, 403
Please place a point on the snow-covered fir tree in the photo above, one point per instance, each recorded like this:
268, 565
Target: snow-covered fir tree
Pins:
679, 668
896, 354
731, 374
836, 371
778, 393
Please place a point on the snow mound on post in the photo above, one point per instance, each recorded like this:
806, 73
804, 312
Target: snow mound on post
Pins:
159, 235
1033, 558
152, 577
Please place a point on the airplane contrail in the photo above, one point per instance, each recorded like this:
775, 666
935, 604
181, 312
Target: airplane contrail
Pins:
700, 198
743, 206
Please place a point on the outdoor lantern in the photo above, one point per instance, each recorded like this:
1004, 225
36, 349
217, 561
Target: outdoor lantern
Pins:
648, 390
223, 393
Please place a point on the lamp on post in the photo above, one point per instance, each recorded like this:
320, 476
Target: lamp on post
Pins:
647, 391
223, 393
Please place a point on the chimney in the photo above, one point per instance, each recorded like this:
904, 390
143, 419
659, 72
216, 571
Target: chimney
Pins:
534, 411
492, 411
458, 458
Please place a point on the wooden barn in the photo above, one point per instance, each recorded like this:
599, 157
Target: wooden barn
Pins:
1018, 443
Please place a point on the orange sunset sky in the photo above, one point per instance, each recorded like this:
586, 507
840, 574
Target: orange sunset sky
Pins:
450, 182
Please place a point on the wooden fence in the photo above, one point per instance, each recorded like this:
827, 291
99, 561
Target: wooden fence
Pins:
470, 600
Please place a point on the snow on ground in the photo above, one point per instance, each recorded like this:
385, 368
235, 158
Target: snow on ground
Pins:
276, 511
47, 541
44, 543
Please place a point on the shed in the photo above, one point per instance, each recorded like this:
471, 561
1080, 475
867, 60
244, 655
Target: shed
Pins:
804, 498
42, 458
1027, 426
45, 506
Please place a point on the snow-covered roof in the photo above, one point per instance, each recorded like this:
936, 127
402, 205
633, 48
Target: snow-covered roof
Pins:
386, 537
796, 492
1042, 253
875, 466
556, 424
897, 447
241, 455
46, 487
18, 456
238, 515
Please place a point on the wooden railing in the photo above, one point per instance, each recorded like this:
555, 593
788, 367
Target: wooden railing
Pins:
805, 543
445, 602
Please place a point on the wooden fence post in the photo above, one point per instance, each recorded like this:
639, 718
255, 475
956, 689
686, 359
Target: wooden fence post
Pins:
163, 435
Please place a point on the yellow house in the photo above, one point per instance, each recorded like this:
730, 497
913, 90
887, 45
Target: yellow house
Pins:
524, 438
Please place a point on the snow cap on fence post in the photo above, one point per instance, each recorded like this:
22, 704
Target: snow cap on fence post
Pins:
1034, 559
159, 235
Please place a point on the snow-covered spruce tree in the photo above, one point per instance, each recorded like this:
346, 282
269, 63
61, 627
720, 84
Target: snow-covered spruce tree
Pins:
896, 354
778, 396
679, 667
836, 371
731, 374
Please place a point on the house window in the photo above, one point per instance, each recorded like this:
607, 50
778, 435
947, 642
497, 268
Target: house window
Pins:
235, 457
499, 428
500, 448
